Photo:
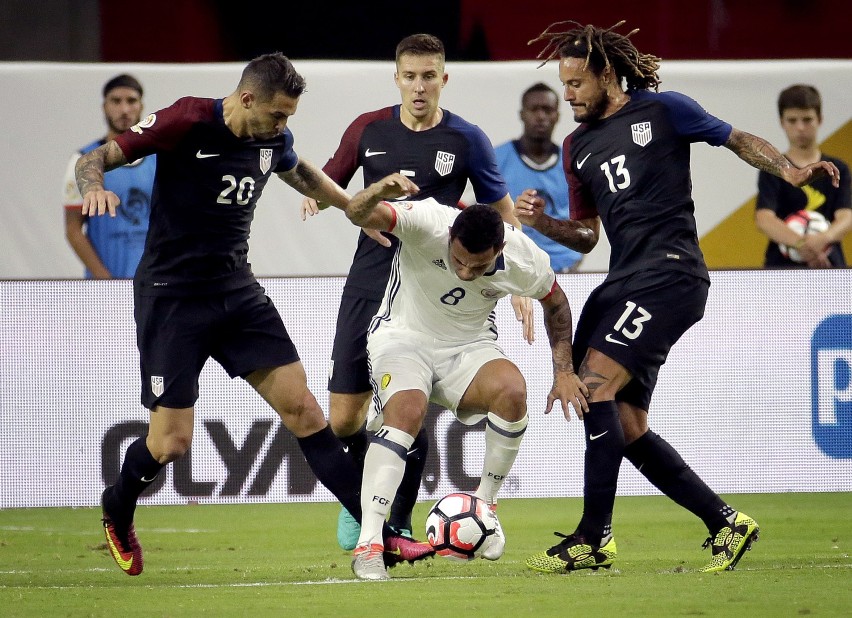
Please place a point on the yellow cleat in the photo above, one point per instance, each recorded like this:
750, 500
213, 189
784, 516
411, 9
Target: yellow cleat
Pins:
730, 543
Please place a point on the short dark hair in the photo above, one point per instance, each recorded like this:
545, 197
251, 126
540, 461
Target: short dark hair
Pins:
538, 87
269, 74
478, 228
420, 45
122, 81
800, 96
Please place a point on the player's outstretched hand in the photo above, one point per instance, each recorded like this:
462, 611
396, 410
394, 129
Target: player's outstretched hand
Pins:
98, 202
800, 177
395, 186
529, 207
568, 388
524, 314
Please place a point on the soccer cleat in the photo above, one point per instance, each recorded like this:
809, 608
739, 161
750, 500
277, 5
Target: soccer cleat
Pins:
368, 563
572, 554
348, 530
730, 543
399, 548
496, 541
122, 543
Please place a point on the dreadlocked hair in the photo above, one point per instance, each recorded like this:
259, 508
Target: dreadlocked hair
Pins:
601, 48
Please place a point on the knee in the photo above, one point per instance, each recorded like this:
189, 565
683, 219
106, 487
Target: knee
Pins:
303, 417
166, 449
511, 403
346, 419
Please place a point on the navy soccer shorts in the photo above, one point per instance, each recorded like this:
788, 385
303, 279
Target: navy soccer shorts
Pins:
349, 372
241, 329
636, 320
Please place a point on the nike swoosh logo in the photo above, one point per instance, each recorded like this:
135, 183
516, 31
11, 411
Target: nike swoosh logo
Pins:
144, 480
202, 155
374, 153
124, 564
414, 450
611, 339
580, 163
591, 437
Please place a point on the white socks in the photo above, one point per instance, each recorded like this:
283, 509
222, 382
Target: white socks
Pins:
384, 466
502, 441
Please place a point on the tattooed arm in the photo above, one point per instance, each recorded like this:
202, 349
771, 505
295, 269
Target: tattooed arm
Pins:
363, 209
762, 155
567, 386
89, 173
581, 235
311, 181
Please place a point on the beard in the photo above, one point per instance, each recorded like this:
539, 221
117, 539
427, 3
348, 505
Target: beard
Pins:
593, 110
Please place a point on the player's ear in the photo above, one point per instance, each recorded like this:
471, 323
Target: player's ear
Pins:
445, 79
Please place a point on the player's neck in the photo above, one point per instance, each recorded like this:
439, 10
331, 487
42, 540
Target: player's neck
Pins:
801, 157
230, 107
616, 99
539, 150
421, 124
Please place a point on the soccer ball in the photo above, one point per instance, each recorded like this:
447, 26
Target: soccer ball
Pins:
459, 526
803, 222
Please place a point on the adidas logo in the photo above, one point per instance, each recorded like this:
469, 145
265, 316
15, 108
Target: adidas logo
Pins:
440, 264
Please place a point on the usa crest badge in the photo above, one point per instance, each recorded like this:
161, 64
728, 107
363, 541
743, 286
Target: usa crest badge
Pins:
641, 133
444, 162
157, 385
265, 160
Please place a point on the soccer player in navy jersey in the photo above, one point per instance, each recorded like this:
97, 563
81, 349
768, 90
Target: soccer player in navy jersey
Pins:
440, 152
195, 295
627, 167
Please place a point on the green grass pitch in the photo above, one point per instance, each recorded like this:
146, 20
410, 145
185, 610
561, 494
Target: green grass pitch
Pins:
283, 560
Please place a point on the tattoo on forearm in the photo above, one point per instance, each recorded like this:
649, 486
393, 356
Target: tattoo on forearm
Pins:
557, 323
305, 179
570, 233
757, 152
91, 166
363, 204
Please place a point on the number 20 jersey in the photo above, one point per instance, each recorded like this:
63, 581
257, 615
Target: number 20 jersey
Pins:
633, 170
206, 188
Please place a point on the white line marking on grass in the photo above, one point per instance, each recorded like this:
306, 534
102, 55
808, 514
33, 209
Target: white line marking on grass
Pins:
94, 530
324, 582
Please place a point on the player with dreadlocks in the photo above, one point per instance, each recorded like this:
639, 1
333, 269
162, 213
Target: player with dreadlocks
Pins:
627, 167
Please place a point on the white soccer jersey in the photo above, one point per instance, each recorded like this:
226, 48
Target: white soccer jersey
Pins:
423, 292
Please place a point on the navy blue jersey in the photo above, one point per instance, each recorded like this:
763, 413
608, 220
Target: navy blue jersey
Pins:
439, 160
821, 196
633, 170
206, 188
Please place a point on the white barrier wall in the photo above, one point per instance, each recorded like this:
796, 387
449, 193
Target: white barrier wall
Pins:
757, 397
51, 109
